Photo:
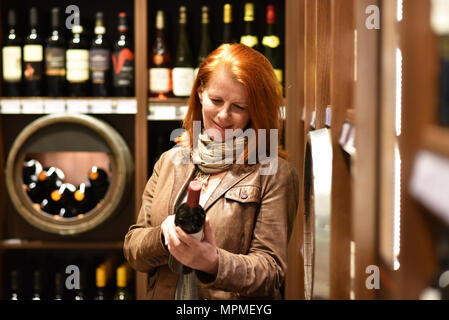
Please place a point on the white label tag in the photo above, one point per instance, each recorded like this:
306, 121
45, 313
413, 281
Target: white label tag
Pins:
198, 236
32, 106
12, 63
77, 106
159, 80
162, 113
10, 106
430, 182
54, 106
101, 106
126, 106
182, 81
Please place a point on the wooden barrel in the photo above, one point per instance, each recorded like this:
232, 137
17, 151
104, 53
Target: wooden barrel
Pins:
70, 133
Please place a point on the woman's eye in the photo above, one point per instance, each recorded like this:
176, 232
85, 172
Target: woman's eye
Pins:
216, 101
239, 107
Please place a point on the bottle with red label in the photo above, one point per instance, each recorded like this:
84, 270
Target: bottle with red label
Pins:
123, 60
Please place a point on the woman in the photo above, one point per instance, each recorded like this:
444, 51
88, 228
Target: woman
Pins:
243, 253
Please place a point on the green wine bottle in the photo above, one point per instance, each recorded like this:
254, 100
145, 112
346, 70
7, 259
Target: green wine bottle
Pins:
206, 42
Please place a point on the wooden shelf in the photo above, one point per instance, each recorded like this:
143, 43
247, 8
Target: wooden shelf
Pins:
436, 139
45, 245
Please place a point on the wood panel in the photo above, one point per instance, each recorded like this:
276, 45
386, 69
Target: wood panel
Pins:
294, 75
310, 49
341, 86
420, 55
141, 137
365, 177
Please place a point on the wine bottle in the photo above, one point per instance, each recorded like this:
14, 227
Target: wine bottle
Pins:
33, 58
444, 80
55, 58
123, 276
60, 202
12, 59
35, 193
160, 81
190, 215
272, 45
206, 42
50, 179
84, 200
77, 63
30, 171
37, 285
14, 293
100, 54
183, 72
99, 181
249, 36
228, 36
100, 281
123, 60
59, 286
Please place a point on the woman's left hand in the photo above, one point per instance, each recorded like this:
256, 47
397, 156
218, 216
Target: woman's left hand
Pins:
199, 255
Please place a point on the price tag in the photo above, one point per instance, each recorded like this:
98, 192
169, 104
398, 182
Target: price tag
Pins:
430, 181
328, 116
32, 106
162, 113
54, 106
312, 120
10, 106
181, 112
77, 106
126, 106
101, 106
283, 112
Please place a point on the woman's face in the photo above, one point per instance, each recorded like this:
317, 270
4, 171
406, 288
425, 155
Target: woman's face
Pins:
224, 104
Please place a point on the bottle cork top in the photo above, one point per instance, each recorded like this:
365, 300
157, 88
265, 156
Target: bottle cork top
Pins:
194, 192
271, 14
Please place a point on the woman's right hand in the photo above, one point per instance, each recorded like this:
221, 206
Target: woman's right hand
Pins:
168, 229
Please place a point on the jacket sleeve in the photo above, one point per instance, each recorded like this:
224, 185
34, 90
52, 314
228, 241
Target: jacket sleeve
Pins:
143, 247
261, 272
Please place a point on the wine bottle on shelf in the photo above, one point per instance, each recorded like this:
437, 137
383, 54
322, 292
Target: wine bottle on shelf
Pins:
100, 54
59, 286
35, 193
206, 42
14, 293
33, 54
60, 202
37, 285
183, 71
123, 60
50, 179
190, 217
249, 36
55, 58
444, 80
123, 276
100, 281
272, 45
99, 181
160, 80
228, 35
77, 63
30, 171
12, 59
84, 200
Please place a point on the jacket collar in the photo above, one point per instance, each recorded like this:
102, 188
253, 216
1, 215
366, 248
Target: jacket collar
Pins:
183, 174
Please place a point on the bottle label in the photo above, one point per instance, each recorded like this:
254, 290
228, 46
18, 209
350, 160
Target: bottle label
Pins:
182, 81
123, 63
198, 236
250, 41
12, 63
55, 62
77, 65
32, 58
159, 80
99, 64
271, 41
279, 74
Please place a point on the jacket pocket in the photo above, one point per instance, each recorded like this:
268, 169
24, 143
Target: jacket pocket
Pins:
244, 194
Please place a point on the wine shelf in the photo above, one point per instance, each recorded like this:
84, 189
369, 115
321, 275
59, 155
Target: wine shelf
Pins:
20, 244
68, 105
436, 139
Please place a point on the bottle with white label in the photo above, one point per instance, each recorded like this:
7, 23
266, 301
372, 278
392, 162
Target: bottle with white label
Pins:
12, 59
183, 71
160, 81
33, 58
77, 64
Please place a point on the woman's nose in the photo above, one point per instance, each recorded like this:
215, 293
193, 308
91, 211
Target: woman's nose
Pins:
225, 112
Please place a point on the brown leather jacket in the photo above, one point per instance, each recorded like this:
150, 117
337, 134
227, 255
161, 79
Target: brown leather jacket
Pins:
251, 216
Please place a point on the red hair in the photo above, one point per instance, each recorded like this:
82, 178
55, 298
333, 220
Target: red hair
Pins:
264, 95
